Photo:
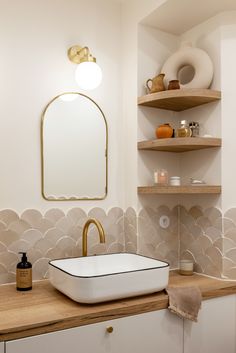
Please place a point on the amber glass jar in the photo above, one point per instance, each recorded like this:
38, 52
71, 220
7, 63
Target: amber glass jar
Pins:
164, 131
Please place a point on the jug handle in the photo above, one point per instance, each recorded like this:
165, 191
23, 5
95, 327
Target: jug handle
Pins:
147, 84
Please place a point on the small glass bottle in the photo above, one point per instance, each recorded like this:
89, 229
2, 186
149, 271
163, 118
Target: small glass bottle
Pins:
184, 129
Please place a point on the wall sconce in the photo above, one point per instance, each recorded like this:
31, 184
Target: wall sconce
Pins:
88, 74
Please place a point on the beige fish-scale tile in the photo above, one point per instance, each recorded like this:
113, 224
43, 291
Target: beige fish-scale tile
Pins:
110, 239
115, 214
224, 244
231, 254
8, 237
32, 236
230, 273
158, 256
231, 214
227, 264
75, 232
152, 237
202, 260
161, 211
44, 225
43, 245
131, 248
231, 234
213, 233
67, 246
54, 253
19, 245
40, 268
115, 248
54, 214
196, 212
203, 242
212, 270
98, 213
32, 217
203, 222
121, 238
227, 224
8, 258
19, 226
215, 256
186, 239
186, 218
7, 278
162, 248
167, 236
75, 214
53, 235
3, 268
172, 259
97, 249
34, 255
3, 248
213, 213
3, 226
131, 216
149, 233
197, 268
8, 216
115, 229
64, 224
131, 234
218, 223
149, 215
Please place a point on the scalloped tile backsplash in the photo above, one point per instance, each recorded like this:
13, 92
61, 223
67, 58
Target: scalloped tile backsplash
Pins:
206, 236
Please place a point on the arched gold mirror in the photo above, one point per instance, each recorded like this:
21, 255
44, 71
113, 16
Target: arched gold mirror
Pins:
74, 145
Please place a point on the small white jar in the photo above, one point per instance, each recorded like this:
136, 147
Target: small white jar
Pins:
186, 267
175, 181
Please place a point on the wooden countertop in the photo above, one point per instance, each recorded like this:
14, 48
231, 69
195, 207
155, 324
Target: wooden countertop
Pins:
44, 309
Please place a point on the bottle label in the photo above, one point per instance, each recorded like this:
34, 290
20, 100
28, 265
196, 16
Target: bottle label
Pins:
24, 278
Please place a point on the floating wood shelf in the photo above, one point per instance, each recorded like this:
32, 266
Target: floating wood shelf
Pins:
181, 144
179, 99
187, 189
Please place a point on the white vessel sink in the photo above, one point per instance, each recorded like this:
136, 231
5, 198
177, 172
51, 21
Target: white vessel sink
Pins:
94, 279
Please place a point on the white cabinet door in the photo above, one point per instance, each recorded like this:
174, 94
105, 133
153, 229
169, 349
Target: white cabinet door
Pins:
154, 332
1, 347
215, 330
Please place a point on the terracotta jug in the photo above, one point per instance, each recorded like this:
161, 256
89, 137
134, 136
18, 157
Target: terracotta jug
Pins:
164, 131
156, 84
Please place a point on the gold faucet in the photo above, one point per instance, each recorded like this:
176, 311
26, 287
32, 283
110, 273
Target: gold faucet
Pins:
85, 234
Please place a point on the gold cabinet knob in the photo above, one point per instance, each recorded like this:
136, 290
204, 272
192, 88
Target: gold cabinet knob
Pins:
109, 329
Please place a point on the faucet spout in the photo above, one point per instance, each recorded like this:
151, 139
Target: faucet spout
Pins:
85, 234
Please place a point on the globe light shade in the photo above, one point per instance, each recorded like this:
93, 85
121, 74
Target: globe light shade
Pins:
88, 75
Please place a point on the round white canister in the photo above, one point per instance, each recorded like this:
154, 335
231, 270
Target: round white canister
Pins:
175, 181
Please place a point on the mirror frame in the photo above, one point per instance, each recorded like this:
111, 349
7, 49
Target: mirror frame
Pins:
42, 152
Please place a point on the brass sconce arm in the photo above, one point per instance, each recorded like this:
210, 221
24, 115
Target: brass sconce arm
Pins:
79, 54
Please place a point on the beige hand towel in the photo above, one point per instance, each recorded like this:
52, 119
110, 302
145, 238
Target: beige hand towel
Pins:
185, 301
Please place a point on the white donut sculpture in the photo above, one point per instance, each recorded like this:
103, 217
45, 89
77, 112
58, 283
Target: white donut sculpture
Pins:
189, 56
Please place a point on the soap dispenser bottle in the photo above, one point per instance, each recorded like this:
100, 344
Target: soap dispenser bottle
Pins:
23, 274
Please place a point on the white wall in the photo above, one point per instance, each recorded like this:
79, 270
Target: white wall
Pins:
35, 37
133, 11
228, 77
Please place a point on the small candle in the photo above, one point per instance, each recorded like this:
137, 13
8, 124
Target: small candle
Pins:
186, 267
162, 177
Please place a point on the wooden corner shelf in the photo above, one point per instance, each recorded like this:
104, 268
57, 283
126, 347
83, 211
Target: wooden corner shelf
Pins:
181, 144
184, 189
179, 99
